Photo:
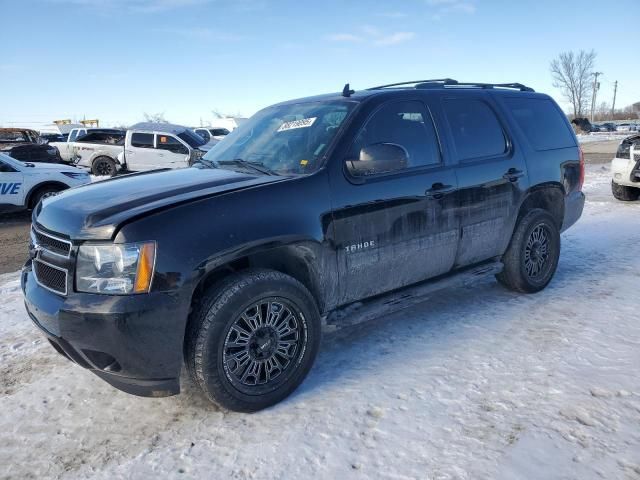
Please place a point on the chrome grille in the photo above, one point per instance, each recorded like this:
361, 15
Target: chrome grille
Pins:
55, 245
50, 277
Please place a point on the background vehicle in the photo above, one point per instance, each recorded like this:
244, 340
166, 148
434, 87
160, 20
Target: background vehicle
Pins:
625, 168
53, 137
66, 147
27, 146
24, 184
334, 207
608, 127
149, 146
98, 150
212, 135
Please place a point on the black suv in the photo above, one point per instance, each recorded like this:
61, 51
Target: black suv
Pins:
325, 209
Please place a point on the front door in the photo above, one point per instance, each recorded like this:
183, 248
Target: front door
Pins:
492, 176
11, 185
172, 153
398, 227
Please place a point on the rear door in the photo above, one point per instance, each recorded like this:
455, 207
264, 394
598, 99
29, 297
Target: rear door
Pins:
399, 227
491, 173
11, 185
140, 152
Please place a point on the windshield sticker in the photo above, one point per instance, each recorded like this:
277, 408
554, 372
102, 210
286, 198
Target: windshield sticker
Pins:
302, 123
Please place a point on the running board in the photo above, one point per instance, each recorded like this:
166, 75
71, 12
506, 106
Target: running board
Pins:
381, 305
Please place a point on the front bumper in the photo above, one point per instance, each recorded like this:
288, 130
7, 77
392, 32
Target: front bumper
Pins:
132, 342
626, 171
573, 206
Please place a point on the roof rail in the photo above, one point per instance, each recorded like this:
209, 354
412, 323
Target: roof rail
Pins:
451, 83
415, 82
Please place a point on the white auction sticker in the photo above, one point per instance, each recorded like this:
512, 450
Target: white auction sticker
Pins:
302, 123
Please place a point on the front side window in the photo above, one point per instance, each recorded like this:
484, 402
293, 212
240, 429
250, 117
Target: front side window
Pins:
405, 124
476, 131
219, 132
171, 144
285, 139
142, 140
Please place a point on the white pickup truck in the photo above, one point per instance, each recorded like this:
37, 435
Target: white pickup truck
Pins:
24, 184
66, 148
144, 146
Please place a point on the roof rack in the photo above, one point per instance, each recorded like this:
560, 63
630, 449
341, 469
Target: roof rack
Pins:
451, 83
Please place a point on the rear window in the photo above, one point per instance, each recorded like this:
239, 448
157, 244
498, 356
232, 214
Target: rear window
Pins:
541, 123
477, 133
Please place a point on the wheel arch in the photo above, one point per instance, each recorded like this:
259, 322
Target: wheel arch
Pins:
40, 186
548, 196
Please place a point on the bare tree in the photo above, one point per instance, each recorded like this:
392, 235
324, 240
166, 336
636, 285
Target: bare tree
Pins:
571, 73
155, 117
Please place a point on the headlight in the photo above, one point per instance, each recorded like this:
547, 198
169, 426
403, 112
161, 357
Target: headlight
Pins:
115, 269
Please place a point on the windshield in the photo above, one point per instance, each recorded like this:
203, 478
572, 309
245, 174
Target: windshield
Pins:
16, 136
286, 139
192, 138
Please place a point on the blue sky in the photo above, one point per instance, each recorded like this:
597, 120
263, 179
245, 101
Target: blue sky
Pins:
116, 59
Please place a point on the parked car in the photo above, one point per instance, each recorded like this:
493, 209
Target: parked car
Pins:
24, 184
98, 150
65, 147
624, 127
212, 135
26, 145
608, 127
150, 146
334, 207
625, 168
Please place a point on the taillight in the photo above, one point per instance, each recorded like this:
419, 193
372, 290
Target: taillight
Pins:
581, 181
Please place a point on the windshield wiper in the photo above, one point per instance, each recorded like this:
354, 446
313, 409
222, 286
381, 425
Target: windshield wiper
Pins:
256, 166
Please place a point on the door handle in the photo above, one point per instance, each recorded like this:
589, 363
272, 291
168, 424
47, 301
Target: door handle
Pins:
513, 174
439, 190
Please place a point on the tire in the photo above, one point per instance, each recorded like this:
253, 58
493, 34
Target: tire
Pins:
104, 166
240, 371
625, 194
532, 257
41, 194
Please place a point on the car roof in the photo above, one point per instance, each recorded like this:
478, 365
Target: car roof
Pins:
159, 127
423, 87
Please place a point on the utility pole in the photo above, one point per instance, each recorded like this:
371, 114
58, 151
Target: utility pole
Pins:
613, 105
596, 86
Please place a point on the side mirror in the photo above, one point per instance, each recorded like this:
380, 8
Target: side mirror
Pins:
379, 158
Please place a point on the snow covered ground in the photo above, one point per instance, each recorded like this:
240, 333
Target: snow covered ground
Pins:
603, 137
477, 383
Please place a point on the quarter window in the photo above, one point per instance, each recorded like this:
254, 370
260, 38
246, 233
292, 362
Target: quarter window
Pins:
475, 128
541, 122
142, 140
407, 124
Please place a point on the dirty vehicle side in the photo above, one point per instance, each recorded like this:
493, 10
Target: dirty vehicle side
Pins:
325, 209
27, 146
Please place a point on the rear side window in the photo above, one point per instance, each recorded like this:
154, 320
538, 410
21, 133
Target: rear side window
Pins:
142, 140
477, 133
204, 134
541, 122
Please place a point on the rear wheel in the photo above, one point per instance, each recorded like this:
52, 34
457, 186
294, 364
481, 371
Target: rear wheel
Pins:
253, 339
625, 194
104, 167
532, 257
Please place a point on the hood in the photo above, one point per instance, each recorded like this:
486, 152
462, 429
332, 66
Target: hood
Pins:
96, 211
52, 167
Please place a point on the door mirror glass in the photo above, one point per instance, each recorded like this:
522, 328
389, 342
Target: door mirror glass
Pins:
379, 158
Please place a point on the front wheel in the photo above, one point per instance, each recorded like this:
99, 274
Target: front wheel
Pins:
532, 257
253, 339
625, 194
